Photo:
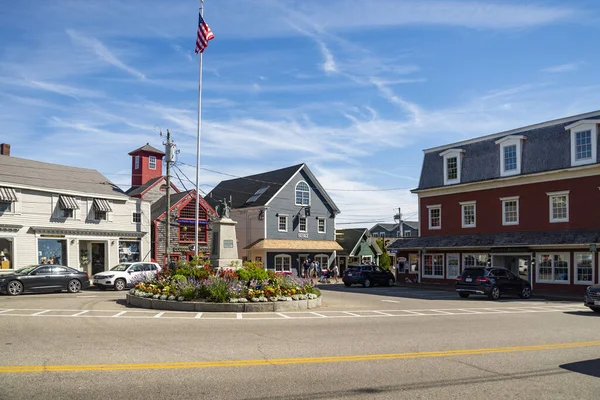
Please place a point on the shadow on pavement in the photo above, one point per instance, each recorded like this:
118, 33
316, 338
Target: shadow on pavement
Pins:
415, 293
589, 313
589, 367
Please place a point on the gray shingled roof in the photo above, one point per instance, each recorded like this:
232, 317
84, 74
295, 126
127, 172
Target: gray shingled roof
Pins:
137, 190
149, 149
58, 178
394, 227
546, 148
160, 206
581, 237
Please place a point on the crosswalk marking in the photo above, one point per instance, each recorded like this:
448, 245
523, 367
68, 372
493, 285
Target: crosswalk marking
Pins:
292, 315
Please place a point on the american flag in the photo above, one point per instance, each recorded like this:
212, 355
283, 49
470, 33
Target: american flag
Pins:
204, 35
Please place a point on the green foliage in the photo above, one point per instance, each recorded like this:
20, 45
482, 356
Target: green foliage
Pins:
200, 273
179, 278
384, 260
252, 270
313, 290
218, 290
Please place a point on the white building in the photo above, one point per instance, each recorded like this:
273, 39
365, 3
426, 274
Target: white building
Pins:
65, 215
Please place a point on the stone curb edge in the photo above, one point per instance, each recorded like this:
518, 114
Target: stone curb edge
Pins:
172, 305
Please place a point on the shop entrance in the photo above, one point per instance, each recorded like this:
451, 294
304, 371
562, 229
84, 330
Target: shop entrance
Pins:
519, 264
98, 258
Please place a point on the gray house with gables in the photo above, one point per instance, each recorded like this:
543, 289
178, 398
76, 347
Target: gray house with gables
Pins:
283, 218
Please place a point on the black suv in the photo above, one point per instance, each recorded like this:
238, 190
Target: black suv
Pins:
592, 298
491, 281
367, 275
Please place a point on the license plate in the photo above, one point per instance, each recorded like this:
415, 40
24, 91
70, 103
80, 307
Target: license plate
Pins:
469, 280
349, 274
597, 302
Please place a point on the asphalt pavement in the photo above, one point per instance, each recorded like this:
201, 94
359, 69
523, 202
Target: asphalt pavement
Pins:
378, 343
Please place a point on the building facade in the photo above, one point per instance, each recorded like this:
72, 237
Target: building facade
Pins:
283, 218
58, 214
408, 229
524, 199
358, 246
149, 183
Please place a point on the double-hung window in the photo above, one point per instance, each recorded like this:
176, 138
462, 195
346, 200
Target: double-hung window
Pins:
452, 165
433, 265
137, 162
282, 223
553, 268
283, 263
468, 213
510, 210
559, 206
152, 162
302, 194
584, 142
584, 268
435, 216
321, 228
510, 154
302, 224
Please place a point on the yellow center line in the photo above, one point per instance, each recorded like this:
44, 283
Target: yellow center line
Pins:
288, 361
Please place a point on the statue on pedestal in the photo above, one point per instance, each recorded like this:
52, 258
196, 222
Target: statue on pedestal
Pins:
223, 209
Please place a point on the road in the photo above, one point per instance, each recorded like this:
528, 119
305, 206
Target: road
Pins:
377, 343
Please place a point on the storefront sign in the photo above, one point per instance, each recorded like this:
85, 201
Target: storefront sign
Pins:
303, 235
510, 250
183, 248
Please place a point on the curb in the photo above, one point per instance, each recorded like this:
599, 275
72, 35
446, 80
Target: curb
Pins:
172, 305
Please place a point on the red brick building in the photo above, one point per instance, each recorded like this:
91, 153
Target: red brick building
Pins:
526, 199
148, 183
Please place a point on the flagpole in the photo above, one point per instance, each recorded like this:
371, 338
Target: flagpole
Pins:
198, 143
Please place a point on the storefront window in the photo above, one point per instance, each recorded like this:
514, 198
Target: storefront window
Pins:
553, 268
584, 270
52, 251
129, 251
6, 253
475, 260
413, 259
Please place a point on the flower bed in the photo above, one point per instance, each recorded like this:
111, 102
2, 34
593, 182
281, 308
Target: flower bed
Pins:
249, 284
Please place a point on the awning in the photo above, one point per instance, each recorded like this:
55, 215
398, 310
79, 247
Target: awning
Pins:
7, 194
291, 244
102, 205
68, 202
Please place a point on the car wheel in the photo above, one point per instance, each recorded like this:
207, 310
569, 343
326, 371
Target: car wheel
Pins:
367, 283
73, 286
14, 288
595, 309
120, 284
463, 295
494, 293
347, 284
391, 282
525, 292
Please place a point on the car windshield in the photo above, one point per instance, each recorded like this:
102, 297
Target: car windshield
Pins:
120, 267
26, 270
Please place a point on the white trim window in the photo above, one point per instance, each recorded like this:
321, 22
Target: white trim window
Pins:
136, 218
302, 224
452, 266
302, 194
282, 223
323, 260
322, 225
137, 162
435, 216
553, 268
510, 210
468, 214
510, 154
152, 162
433, 266
584, 268
584, 142
559, 206
475, 260
452, 165
283, 263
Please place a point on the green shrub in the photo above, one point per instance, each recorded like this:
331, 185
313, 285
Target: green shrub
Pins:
180, 278
200, 273
252, 270
218, 290
313, 290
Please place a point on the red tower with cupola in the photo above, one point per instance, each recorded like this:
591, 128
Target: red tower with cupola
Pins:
146, 164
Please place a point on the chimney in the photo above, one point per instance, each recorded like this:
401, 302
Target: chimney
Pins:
5, 149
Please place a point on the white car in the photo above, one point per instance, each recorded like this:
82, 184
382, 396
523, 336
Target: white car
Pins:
124, 274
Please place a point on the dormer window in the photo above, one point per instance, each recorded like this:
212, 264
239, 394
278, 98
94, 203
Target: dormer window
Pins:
510, 154
452, 165
584, 142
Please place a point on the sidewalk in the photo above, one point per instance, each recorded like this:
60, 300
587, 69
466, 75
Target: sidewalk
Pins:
447, 288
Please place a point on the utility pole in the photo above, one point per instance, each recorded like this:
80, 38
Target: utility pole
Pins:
169, 158
400, 225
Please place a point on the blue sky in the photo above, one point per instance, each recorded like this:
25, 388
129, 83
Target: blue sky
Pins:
354, 89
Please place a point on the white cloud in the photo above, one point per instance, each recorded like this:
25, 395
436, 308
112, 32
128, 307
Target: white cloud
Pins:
329, 64
563, 68
98, 48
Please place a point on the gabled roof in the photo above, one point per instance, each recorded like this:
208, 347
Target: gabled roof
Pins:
546, 147
412, 224
159, 207
350, 239
147, 148
137, 190
22, 173
394, 227
240, 190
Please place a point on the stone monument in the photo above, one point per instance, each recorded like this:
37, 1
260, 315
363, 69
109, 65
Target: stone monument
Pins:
224, 252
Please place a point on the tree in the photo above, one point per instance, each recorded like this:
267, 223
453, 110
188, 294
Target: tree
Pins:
384, 259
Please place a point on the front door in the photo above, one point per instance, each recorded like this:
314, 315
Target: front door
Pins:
98, 258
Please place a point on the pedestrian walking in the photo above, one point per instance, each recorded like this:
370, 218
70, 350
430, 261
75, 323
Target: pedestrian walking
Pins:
335, 272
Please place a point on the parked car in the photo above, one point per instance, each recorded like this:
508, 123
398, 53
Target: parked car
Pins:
123, 275
44, 278
492, 282
367, 275
592, 298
